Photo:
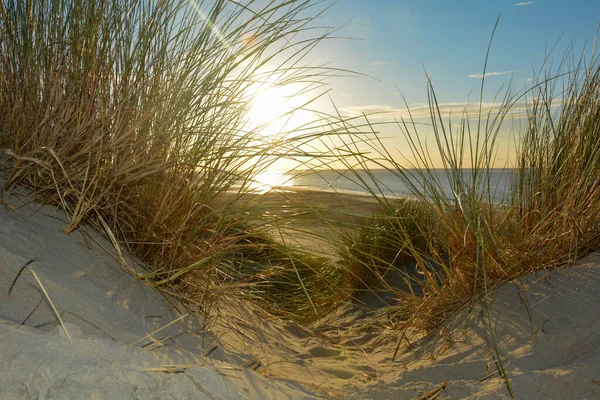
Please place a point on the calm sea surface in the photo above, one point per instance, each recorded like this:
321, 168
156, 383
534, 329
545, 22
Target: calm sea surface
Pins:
390, 183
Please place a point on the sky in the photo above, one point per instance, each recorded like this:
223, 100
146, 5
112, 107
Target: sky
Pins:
393, 45
396, 41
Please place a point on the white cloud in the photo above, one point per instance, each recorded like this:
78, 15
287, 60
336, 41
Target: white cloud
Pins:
381, 112
378, 63
524, 3
480, 76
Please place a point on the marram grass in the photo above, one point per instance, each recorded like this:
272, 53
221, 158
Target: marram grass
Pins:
132, 116
464, 245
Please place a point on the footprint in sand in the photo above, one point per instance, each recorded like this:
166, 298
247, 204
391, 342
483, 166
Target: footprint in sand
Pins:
324, 352
340, 373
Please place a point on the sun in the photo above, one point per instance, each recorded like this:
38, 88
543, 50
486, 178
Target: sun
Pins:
268, 106
276, 109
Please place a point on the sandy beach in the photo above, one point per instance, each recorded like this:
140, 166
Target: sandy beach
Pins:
306, 216
299, 199
120, 338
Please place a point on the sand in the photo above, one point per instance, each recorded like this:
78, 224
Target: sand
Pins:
110, 317
546, 328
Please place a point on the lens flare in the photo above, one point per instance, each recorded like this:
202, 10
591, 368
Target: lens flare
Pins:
248, 39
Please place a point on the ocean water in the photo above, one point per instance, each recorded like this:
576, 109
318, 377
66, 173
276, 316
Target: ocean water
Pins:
386, 182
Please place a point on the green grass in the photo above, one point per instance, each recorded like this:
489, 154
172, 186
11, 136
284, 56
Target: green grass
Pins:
388, 241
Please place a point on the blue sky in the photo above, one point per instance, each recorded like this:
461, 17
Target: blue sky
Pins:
394, 43
396, 39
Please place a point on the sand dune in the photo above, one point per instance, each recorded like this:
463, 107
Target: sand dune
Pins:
109, 316
547, 331
546, 327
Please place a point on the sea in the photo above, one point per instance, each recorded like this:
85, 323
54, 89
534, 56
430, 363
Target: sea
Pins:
382, 181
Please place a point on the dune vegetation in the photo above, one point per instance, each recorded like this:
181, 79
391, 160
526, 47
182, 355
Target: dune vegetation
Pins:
132, 117
459, 248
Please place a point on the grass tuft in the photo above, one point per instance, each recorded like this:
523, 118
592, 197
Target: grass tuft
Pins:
464, 233
135, 117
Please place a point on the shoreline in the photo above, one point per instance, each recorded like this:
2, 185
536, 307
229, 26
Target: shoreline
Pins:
301, 189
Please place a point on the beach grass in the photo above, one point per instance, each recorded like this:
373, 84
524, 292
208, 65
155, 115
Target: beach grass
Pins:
133, 117
382, 247
459, 247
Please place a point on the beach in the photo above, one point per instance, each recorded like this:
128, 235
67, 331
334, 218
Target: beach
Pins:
305, 218
231, 200
126, 339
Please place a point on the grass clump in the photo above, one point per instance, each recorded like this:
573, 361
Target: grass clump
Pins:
467, 235
287, 282
387, 241
133, 116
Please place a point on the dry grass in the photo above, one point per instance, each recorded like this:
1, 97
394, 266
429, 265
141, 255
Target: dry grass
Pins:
133, 117
548, 218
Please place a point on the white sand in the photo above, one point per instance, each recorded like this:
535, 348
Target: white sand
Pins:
106, 310
555, 354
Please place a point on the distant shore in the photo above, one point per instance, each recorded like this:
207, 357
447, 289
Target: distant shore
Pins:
380, 181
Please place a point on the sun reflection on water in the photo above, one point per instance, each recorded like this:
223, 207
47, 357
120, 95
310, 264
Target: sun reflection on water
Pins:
271, 180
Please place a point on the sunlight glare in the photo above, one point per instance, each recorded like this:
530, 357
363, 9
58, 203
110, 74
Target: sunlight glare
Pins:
276, 109
268, 106
270, 180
